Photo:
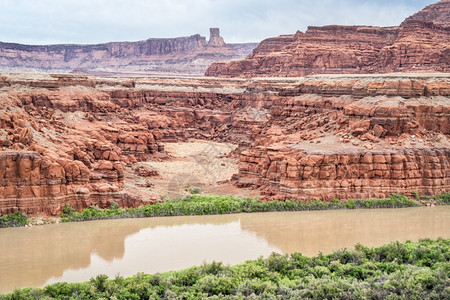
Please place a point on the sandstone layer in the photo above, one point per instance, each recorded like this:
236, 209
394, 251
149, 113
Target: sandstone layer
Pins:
420, 44
437, 13
78, 140
182, 56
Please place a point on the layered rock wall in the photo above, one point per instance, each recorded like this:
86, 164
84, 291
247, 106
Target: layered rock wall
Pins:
437, 13
291, 174
352, 138
420, 44
33, 184
183, 55
74, 139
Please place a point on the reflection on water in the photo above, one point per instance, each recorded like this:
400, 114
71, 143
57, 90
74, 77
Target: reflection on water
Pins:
326, 231
78, 251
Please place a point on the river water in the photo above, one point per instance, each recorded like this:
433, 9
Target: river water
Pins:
76, 252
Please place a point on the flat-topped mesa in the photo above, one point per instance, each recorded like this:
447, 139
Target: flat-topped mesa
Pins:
329, 49
162, 46
149, 47
419, 44
189, 55
275, 44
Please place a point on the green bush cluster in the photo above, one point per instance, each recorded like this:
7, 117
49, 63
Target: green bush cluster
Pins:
443, 199
196, 204
17, 219
211, 204
410, 270
195, 190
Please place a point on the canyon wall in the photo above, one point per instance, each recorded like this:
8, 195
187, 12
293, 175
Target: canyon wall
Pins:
437, 13
33, 183
183, 55
420, 44
51, 156
77, 139
353, 139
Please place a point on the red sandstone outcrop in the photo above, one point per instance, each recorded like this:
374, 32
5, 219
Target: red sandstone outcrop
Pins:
352, 139
420, 44
62, 147
290, 173
438, 13
183, 55
72, 139
34, 183
215, 40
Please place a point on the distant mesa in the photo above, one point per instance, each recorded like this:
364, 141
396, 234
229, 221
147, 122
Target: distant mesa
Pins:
155, 56
420, 44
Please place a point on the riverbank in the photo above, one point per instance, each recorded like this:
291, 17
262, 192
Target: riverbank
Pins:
409, 270
213, 204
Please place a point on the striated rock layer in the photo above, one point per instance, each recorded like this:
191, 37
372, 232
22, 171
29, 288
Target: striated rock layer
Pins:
295, 174
75, 139
353, 138
32, 183
420, 44
438, 13
183, 55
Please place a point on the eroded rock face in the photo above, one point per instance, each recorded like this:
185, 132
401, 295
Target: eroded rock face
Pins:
215, 39
353, 138
420, 44
33, 183
183, 55
294, 174
438, 13
74, 139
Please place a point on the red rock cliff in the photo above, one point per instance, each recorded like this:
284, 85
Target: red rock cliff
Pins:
183, 55
420, 44
438, 13
74, 139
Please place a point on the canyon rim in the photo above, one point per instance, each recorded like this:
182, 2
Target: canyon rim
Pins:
370, 117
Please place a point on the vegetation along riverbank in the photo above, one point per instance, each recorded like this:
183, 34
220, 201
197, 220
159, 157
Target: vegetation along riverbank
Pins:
211, 204
410, 270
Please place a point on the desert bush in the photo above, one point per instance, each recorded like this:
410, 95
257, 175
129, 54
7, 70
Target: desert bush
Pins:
17, 219
195, 191
196, 204
443, 199
392, 271
114, 206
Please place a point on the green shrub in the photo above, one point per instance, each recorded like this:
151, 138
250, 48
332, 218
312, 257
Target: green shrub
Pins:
114, 205
392, 271
68, 209
99, 282
351, 204
196, 204
195, 191
443, 199
16, 219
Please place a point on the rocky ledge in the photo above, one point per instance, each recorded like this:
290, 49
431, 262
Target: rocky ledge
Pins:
420, 44
76, 139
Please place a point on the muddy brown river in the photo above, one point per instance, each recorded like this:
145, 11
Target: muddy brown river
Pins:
75, 252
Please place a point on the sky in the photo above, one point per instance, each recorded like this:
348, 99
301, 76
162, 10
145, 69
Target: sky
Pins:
96, 21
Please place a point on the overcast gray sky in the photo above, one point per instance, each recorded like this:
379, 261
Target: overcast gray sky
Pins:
96, 21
